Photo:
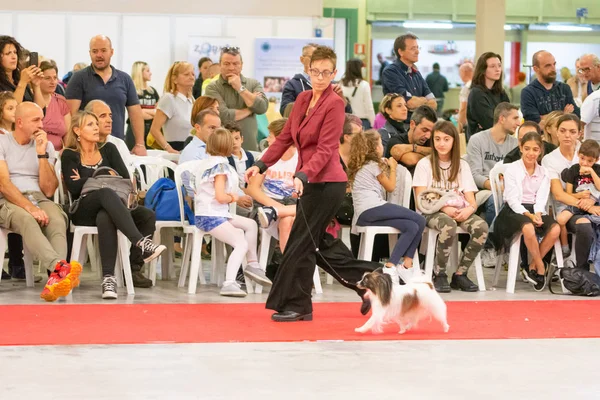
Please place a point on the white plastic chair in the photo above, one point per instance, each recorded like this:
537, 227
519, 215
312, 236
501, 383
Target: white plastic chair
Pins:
515, 246
27, 257
368, 232
79, 252
156, 168
263, 255
194, 237
174, 157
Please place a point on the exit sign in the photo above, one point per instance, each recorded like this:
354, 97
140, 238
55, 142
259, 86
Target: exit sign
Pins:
359, 48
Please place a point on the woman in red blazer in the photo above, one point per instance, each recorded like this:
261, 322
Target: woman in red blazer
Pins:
314, 127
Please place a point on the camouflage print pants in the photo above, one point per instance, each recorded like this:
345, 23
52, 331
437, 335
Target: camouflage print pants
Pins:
474, 225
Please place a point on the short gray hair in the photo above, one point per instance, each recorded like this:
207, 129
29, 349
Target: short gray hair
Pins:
89, 107
595, 59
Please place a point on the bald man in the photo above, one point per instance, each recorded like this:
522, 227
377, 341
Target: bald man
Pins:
102, 81
27, 180
546, 94
589, 65
465, 71
105, 121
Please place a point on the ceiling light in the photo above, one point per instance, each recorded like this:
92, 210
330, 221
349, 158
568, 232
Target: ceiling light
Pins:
427, 25
569, 28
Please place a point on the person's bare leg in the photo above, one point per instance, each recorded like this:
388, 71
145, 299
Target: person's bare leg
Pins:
532, 245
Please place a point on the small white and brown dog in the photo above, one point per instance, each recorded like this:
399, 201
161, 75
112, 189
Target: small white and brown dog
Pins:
404, 305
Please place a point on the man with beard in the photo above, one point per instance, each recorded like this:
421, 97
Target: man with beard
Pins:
546, 94
102, 81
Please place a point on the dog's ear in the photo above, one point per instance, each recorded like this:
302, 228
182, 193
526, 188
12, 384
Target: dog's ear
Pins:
379, 270
384, 289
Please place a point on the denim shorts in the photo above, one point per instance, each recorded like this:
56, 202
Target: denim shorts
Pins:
208, 223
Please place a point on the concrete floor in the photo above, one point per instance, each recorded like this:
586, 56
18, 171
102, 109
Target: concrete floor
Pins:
484, 369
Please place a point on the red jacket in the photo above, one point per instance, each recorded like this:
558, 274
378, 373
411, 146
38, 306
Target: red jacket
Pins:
316, 136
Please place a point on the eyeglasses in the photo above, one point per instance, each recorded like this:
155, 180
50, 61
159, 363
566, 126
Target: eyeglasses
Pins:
315, 73
584, 70
230, 49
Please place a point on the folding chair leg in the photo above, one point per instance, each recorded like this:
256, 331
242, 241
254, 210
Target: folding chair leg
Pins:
123, 254
28, 261
317, 281
365, 251
185, 261
196, 263
513, 265
430, 255
479, 273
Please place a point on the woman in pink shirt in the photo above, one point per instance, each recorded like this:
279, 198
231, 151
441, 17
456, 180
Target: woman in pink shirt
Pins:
57, 117
526, 191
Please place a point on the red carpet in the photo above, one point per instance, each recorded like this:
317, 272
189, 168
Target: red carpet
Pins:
208, 323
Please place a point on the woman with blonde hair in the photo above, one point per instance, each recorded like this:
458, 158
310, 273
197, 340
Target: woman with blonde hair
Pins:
550, 128
103, 208
141, 75
171, 124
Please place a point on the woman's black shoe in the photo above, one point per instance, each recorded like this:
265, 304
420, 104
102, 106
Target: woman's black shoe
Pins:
291, 316
5, 275
366, 306
462, 282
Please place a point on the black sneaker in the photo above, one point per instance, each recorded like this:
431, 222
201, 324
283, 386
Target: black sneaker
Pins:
150, 250
140, 281
5, 275
462, 282
537, 281
109, 287
266, 216
440, 282
17, 272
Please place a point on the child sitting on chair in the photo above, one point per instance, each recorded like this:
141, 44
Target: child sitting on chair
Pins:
583, 182
216, 187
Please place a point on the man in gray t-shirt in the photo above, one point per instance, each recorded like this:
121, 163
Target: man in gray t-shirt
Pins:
27, 180
487, 148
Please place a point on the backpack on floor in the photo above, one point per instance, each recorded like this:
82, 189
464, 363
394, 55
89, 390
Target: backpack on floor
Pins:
162, 199
578, 282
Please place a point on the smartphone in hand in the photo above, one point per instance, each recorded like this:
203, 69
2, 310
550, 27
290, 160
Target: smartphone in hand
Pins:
33, 58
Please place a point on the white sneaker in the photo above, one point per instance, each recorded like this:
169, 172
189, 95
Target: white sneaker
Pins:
109, 288
257, 275
488, 258
232, 289
393, 273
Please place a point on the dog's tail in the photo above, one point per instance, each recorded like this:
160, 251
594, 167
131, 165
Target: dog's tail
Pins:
410, 301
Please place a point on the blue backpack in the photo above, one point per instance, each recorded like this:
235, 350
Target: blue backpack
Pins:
162, 199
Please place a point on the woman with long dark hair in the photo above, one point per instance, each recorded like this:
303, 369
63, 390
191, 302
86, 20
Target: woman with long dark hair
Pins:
320, 182
358, 92
486, 93
24, 83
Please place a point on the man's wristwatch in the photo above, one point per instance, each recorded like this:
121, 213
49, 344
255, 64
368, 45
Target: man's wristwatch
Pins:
242, 88
45, 155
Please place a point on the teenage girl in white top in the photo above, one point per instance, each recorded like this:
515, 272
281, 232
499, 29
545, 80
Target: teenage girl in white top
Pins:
216, 187
358, 92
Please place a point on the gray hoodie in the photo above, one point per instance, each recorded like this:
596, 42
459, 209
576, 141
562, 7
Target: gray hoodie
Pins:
483, 153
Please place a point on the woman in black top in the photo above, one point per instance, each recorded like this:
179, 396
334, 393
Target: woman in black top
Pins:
103, 208
486, 93
141, 75
15, 80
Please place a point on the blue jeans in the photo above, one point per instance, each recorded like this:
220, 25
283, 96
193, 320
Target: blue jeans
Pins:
406, 221
490, 214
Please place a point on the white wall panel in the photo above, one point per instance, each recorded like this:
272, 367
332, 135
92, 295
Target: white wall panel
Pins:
246, 30
147, 38
6, 24
194, 26
33, 32
294, 28
82, 27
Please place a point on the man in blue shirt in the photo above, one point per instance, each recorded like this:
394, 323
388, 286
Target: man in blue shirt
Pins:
402, 76
206, 122
546, 94
102, 81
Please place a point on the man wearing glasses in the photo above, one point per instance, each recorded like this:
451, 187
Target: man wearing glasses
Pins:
589, 66
240, 98
402, 76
